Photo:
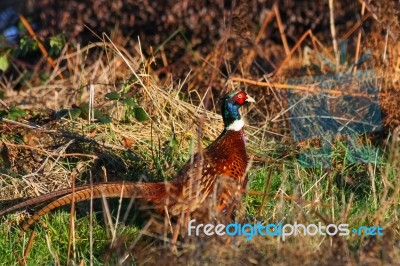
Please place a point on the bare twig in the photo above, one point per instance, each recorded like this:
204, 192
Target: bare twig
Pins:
40, 45
333, 32
358, 41
281, 30
310, 88
295, 47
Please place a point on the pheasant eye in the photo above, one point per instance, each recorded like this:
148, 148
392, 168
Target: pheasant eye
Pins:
240, 98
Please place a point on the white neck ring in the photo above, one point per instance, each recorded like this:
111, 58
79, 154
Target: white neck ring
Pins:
236, 125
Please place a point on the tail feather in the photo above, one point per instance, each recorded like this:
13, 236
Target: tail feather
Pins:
40, 199
152, 192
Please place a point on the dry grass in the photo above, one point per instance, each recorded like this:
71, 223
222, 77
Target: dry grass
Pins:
170, 116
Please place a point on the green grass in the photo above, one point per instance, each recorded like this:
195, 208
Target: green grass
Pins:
52, 237
326, 188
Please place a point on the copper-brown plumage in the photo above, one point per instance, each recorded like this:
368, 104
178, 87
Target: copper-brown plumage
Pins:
219, 170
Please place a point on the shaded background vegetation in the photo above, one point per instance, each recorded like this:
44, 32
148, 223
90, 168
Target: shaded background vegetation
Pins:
189, 36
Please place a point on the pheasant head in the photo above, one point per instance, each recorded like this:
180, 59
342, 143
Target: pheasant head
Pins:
230, 105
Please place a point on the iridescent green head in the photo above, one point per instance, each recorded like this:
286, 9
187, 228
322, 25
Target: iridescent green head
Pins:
230, 105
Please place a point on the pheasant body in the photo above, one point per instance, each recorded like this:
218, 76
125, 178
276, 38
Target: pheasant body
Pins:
201, 176
218, 171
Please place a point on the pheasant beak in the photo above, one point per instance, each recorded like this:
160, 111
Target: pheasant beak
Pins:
250, 99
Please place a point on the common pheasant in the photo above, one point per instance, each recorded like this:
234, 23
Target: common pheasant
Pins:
218, 171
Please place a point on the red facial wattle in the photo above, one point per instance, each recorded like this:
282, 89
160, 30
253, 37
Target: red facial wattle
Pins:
240, 98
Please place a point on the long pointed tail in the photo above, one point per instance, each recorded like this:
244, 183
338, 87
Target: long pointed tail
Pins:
42, 198
152, 192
